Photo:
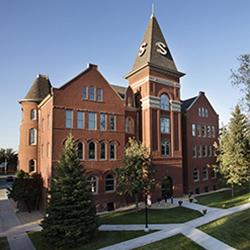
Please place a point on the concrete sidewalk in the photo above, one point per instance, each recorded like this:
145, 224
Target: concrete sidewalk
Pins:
10, 226
168, 230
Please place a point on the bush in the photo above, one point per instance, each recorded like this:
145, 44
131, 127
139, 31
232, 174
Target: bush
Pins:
27, 189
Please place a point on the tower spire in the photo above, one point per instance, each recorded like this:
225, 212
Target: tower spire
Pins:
153, 10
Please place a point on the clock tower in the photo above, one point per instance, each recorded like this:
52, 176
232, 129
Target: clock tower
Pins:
155, 78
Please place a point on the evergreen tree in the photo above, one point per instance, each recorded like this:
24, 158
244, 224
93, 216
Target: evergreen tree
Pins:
241, 78
233, 152
135, 177
70, 216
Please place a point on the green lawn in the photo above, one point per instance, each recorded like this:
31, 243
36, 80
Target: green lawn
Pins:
160, 216
177, 242
234, 229
102, 239
4, 245
224, 199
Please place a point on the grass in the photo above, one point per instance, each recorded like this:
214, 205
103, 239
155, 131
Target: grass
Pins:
160, 216
177, 242
224, 199
102, 239
4, 245
234, 229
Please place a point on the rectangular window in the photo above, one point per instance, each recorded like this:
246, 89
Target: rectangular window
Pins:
91, 93
48, 121
206, 113
210, 149
80, 119
99, 95
103, 121
112, 151
92, 121
199, 130
203, 130
199, 112
202, 112
208, 131
103, 151
32, 136
200, 151
213, 131
69, 119
194, 151
165, 125
193, 130
84, 93
112, 122
204, 150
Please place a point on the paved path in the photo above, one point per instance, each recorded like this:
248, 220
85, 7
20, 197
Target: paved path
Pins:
168, 230
11, 227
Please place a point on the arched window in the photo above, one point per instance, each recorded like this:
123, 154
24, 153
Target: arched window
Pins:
32, 166
205, 173
93, 183
164, 102
165, 148
32, 136
103, 151
112, 151
196, 176
80, 150
33, 114
109, 183
92, 149
129, 125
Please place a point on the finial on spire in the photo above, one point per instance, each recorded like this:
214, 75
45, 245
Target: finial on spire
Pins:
153, 10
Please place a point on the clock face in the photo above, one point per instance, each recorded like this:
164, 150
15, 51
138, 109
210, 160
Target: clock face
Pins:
142, 49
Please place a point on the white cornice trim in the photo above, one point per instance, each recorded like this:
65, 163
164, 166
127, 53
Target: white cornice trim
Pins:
155, 79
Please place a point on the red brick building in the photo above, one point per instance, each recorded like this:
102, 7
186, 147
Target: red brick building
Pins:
102, 117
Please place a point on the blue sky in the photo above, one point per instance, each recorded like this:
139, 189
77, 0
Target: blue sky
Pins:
60, 38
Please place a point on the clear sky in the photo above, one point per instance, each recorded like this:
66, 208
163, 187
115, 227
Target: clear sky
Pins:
60, 38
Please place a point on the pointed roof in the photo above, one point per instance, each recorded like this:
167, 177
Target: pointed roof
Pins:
40, 88
156, 52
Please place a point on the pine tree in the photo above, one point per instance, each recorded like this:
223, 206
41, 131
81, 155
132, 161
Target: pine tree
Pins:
135, 176
70, 216
234, 152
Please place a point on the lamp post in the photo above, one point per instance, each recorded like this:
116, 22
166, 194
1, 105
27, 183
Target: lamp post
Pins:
146, 213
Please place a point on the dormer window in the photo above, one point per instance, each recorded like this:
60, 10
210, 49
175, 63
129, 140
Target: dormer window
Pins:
33, 114
164, 102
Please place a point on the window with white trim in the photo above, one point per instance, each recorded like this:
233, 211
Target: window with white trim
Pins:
92, 121
164, 102
84, 93
112, 151
80, 119
199, 151
33, 114
193, 129
165, 148
205, 173
112, 122
165, 125
32, 166
194, 151
196, 176
91, 93
103, 151
80, 150
93, 183
103, 121
92, 151
69, 119
99, 95
109, 183
32, 136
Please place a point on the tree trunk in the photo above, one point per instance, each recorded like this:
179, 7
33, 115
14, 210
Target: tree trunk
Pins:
232, 190
136, 202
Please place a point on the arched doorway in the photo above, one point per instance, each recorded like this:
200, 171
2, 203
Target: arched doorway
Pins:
167, 187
